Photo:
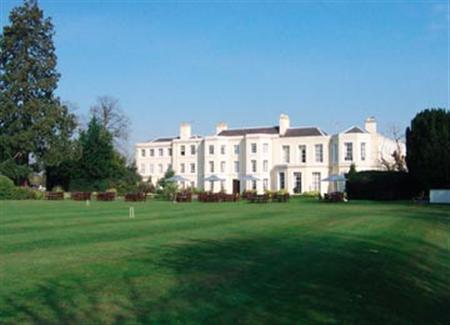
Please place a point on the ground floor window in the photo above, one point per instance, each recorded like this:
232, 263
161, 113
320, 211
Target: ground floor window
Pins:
222, 185
297, 183
316, 182
282, 181
254, 185
265, 184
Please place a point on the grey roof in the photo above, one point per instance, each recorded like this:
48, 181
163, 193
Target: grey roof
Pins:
304, 132
237, 132
355, 129
291, 132
164, 139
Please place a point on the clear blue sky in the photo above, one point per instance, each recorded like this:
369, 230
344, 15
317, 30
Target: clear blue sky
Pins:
329, 63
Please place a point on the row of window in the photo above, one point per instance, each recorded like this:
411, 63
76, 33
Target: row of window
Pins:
348, 153
191, 168
315, 186
318, 153
286, 151
237, 150
193, 150
152, 152
253, 168
151, 169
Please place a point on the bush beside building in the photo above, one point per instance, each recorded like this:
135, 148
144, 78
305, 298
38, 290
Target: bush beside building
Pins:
381, 185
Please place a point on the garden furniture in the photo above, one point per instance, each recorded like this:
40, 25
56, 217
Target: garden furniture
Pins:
81, 196
135, 197
106, 196
55, 196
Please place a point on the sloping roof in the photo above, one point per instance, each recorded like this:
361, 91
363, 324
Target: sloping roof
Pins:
164, 139
173, 138
304, 132
355, 129
291, 132
238, 132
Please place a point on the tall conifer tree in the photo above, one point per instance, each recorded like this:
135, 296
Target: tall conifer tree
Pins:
35, 128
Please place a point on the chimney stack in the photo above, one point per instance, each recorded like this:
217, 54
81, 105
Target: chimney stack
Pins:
221, 127
185, 131
284, 124
370, 125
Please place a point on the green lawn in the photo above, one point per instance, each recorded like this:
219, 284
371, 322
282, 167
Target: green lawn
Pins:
301, 262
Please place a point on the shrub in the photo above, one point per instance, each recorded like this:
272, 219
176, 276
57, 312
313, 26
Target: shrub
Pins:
146, 187
10, 192
38, 195
270, 193
6, 188
170, 190
22, 193
311, 194
381, 185
57, 188
195, 190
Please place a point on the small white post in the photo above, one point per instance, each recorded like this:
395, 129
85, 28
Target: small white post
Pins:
88, 203
131, 212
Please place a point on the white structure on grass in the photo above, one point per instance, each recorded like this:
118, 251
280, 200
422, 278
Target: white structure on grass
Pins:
279, 157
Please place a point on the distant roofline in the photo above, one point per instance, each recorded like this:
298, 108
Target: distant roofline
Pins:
354, 127
250, 128
309, 127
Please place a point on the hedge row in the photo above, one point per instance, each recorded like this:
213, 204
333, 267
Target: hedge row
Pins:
10, 192
381, 185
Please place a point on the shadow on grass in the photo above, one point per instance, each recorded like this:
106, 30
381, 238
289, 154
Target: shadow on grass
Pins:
332, 279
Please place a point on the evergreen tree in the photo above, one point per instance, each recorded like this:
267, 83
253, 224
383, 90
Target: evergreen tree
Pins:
428, 148
35, 128
97, 161
352, 171
99, 165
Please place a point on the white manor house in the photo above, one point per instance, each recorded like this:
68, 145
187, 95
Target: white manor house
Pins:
281, 157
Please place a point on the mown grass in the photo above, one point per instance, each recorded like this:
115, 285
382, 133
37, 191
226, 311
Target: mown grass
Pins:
301, 262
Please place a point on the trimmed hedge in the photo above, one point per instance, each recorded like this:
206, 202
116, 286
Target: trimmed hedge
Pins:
381, 185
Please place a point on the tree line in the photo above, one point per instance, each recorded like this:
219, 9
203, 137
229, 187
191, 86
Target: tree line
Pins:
38, 132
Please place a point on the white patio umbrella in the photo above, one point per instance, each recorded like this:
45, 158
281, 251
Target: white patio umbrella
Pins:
336, 179
251, 178
178, 178
213, 179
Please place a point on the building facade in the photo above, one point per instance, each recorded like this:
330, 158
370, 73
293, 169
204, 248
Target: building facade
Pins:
281, 157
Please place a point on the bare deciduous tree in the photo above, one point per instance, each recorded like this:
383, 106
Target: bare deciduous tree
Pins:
399, 162
108, 111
